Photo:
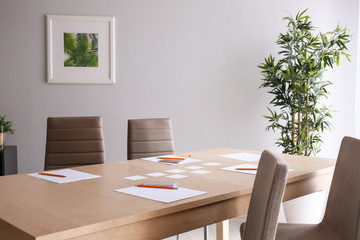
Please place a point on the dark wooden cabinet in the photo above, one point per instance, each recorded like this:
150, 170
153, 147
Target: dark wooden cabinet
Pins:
8, 160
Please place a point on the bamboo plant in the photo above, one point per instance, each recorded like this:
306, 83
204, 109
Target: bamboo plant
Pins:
298, 108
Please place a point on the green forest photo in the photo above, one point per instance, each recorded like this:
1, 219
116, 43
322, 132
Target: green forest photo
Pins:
80, 49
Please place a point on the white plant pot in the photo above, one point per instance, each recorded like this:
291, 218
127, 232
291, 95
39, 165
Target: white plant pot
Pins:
2, 140
306, 209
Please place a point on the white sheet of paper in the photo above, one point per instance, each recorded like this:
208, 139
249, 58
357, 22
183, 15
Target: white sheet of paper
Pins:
201, 172
176, 176
161, 195
156, 159
233, 168
245, 165
136, 177
156, 174
212, 164
175, 170
249, 157
71, 176
194, 167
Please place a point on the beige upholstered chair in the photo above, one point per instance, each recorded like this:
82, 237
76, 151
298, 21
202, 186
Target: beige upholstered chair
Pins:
342, 215
149, 137
265, 199
74, 141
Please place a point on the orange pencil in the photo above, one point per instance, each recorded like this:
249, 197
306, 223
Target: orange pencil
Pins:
52, 174
175, 158
150, 186
246, 168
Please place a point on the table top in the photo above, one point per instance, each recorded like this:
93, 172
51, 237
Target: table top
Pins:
36, 208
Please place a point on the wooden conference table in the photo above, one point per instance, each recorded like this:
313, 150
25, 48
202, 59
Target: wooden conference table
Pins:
32, 208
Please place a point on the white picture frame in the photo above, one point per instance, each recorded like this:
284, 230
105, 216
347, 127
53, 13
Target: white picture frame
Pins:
66, 66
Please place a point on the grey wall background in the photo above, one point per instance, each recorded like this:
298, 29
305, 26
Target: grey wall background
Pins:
192, 60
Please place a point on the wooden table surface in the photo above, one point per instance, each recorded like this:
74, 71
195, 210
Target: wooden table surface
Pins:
32, 208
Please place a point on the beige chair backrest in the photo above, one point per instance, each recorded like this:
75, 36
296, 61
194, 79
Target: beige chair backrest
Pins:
74, 141
149, 137
266, 197
342, 212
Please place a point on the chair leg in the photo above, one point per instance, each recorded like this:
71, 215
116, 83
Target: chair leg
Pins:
206, 232
178, 237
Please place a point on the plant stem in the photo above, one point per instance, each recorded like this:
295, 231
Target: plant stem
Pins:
307, 118
299, 134
293, 129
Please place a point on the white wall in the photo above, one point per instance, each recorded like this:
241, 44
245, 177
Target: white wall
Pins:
357, 104
192, 60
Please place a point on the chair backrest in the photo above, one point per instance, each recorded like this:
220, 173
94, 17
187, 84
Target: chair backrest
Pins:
342, 212
266, 198
149, 137
74, 141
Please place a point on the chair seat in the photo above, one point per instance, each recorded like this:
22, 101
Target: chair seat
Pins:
342, 214
288, 231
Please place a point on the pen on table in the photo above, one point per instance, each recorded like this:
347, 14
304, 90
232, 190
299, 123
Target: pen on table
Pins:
246, 168
174, 158
51, 174
150, 186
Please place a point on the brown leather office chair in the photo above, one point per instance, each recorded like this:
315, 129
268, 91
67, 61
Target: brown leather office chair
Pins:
266, 198
74, 141
149, 137
342, 214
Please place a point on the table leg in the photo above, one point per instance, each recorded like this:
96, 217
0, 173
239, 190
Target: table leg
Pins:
206, 232
222, 230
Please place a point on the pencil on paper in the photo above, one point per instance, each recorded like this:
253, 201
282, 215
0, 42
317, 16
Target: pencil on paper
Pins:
149, 186
173, 158
51, 174
165, 185
246, 169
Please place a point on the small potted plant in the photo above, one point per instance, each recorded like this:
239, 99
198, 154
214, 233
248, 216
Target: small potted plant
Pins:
5, 127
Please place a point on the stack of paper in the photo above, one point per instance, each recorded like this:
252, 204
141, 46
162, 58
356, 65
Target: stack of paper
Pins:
249, 157
171, 160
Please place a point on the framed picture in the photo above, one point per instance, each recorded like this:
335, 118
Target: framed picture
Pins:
80, 49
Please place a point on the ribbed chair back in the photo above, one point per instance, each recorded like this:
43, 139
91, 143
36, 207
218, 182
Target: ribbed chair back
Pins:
74, 141
149, 137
